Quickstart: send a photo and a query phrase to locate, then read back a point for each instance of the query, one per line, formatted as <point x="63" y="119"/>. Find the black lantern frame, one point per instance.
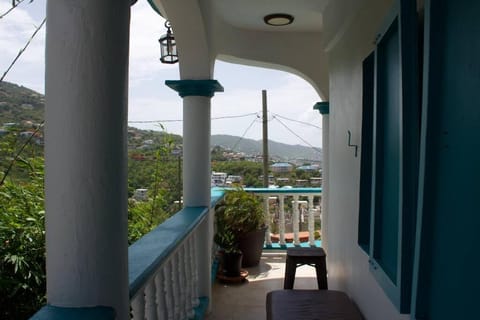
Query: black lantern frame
<point x="168" y="46"/>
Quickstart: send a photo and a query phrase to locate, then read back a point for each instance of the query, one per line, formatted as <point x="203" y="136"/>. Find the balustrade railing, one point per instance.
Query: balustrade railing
<point x="163" y="269"/>
<point x="292" y="208"/>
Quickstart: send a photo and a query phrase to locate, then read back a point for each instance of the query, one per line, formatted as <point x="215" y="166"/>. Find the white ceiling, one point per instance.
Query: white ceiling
<point x="248" y="14"/>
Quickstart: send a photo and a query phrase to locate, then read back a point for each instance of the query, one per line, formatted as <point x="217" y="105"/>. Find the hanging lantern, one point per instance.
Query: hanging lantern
<point x="168" y="46"/>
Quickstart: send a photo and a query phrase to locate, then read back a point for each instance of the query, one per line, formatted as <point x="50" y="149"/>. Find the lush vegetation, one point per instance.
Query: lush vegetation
<point x="154" y="161"/>
<point x="22" y="219"/>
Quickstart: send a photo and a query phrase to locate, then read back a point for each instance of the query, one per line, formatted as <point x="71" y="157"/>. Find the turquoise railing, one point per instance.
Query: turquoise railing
<point x="163" y="279"/>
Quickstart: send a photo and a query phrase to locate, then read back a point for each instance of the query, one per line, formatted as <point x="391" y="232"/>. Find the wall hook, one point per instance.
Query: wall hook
<point x="350" y="143"/>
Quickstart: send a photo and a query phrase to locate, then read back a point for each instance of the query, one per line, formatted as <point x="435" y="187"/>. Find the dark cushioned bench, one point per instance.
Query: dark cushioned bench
<point x="311" y="304"/>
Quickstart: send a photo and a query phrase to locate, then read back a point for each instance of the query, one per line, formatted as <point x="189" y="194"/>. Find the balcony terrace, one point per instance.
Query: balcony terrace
<point x="246" y="300"/>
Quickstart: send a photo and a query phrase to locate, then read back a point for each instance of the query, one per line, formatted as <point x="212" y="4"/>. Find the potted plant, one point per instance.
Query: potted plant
<point x="241" y="212"/>
<point x="231" y="256"/>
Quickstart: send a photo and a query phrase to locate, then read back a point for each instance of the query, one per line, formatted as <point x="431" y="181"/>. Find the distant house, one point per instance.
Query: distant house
<point x="313" y="167"/>
<point x="26" y="134"/>
<point x="140" y="194"/>
<point x="283" y="181"/>
<point x="315" y="181"/>
<point x="301" y="182"/>
<point x="281" y="167"/>
<point x="233" y="179"/>
<point x="218" y="179"/>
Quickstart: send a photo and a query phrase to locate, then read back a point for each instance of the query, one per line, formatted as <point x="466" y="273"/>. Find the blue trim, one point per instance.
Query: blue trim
<point x="323" y="107"/>
<point x="395" y="154"/>
<point x="277" y="246"/>
<point x="49" y="312"/>
<point x="154" y="7"/>
<point x="147" y="254"/>
<point x="202" y="308"/>
<point x="203" y="88"/>
<point x="365" y="198"/>
<point x="217" y="194"/>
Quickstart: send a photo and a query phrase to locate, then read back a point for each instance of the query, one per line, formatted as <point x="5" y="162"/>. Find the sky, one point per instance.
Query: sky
<point x="288" y="96"/>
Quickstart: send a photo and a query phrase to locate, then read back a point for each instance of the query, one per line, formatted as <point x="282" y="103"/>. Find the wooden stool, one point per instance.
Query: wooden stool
<point x="314" y="257"/>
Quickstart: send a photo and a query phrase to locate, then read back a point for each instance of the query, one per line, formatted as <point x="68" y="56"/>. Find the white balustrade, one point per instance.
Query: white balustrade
<point x="281" y="227"/>
<point x="302" y="211"/>
<point x="266" y="210"/>
<point x="311" y="221"/>
<point x="172" y="292"/>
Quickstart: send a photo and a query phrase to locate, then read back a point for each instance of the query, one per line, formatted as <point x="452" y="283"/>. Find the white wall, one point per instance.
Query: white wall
<point x="347" y="263"/>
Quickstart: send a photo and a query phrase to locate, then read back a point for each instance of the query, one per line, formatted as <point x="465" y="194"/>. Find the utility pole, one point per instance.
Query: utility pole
<point x="265" y="138"/>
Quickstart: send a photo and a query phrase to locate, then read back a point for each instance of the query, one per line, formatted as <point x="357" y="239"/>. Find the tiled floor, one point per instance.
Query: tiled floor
<point x="246" y="301"/>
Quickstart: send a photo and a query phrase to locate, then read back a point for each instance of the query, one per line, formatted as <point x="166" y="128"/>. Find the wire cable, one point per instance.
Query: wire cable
<point x="16" y="157"/>
<point x="23" y="49"/>
<point x="179" y="120"/>
<point x="245" y="132"/>
<point x="302" y="122"/>
<point x="293" y="132"/>
<point x="14" y="5"/>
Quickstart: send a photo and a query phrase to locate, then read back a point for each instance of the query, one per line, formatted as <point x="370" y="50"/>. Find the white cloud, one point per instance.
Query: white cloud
<point x="15" y="30"/>
<point x="149" y="98"/>
<point x="145" y="29"/>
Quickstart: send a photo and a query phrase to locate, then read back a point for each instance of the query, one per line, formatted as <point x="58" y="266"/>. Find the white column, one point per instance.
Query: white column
<point x="196" y="151"/>
<point x="196" y="180"/>
<point x="325" y="181"/>
<point x="196" y="96"/>
<point x="86" y="153"/>
<point x="324" y="109"/>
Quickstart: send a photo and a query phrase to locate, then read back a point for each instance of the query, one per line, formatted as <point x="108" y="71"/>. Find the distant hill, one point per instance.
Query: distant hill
<point x="277" y="150"/>
<point x="18" y="103"/>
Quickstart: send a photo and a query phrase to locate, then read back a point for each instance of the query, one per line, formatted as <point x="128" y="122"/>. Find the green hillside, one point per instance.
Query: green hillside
<point x="277" y="150"/>
<point x="19" y="104"/>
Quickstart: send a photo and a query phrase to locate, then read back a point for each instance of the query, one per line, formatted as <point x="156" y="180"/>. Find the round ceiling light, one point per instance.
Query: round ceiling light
<point x="278" y="19"/>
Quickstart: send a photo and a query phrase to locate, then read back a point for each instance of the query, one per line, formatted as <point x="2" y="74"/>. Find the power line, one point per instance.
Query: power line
<point x="304" y="141"/>
<point x="155" y="121"/>
<point x="238" y="116"/>
<point x="16" y="157"/>
<point x="302" y="122"/>
<point x="245" y="132"/>
<point x="23" y="49"/>
<point x="14" y="5"/>
<point x="179" y="120"/>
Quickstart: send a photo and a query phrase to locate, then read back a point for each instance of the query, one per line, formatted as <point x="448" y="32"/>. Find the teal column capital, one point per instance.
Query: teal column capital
<point x="323" y="107"/>
<point x="202" y="88"/>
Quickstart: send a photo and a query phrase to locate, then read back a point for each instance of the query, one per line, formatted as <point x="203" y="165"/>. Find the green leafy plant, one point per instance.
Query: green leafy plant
<point x="239" y="213"/>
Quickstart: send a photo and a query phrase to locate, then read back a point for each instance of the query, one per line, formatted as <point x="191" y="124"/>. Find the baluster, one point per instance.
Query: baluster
<point x="168" y="291"/>
<point x="160" y="296"/>
<point x="150" y="307"/>
<point x="281" y="222"/>
<point x="138" y="306"/>
<point x="181" y="281"/>
<point x="296" y="238"/>
<point x="311" y="221"/>
<point x="193" y="271"/>
<point x="266" y="211"/>
<point x="189" y="279"/>
<point x="175" y="286"/>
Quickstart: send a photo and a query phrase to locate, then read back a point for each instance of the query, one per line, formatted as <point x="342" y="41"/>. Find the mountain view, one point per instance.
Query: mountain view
<point x="18" y="103"/>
